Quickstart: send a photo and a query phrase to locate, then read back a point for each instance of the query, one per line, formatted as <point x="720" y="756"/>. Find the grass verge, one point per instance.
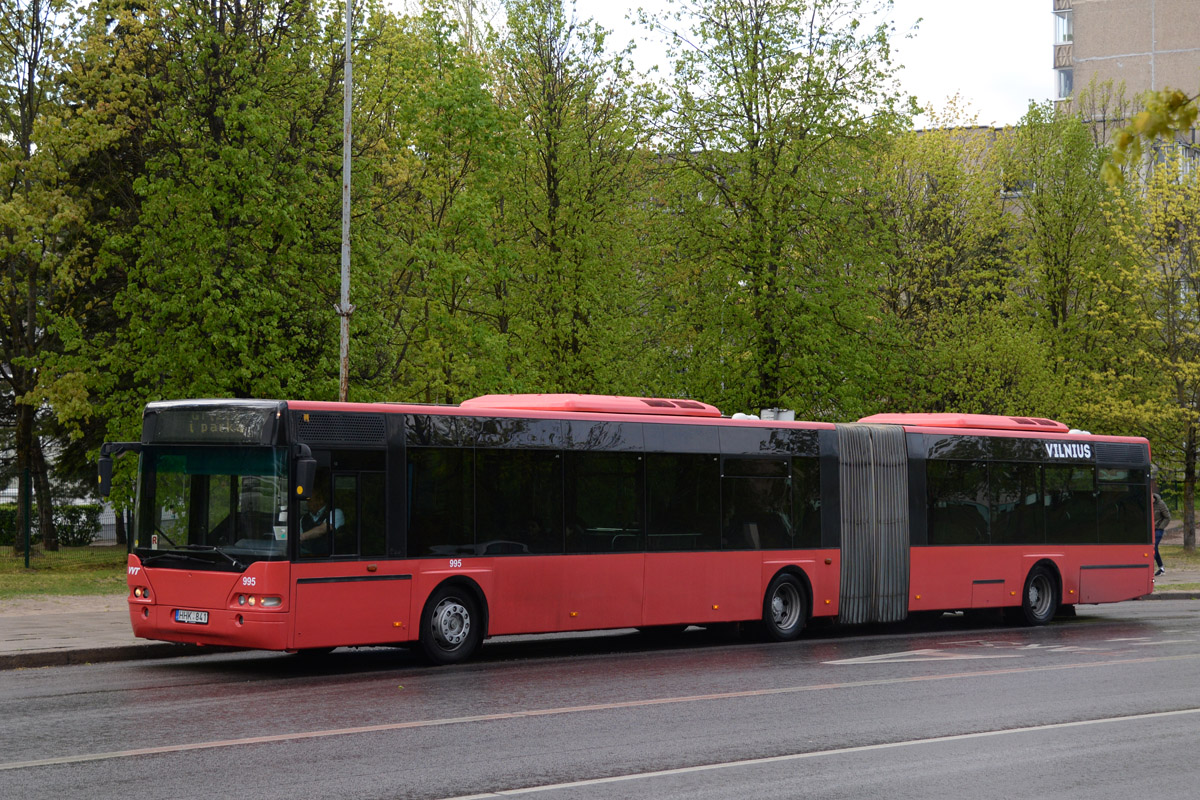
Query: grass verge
<point x="72" y="570"/>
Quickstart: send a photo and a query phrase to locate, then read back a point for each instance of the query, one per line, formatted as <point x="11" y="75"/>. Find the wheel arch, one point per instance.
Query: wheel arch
<point x="805" y="584"/>
<point x="466" y="584"/>
<point x="1052" y="567"/>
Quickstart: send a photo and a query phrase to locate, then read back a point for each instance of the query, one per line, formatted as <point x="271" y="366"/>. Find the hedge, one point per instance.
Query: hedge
<point x="77" y="525"/>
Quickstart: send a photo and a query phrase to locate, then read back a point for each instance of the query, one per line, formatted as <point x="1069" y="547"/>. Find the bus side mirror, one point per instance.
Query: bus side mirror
<point x="306" y="476"/>
<point x="104" y="469"/>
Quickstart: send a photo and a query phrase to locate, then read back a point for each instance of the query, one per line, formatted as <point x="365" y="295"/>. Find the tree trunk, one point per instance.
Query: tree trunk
<point x="45" y="498"/>
<point x="24" y="472"/>
<point x="1189" y="491"/>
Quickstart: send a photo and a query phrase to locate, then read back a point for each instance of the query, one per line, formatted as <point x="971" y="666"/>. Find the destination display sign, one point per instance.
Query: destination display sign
<point x="212" y="424"/>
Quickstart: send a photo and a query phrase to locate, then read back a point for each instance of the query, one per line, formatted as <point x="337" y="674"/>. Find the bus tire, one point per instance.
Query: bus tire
<point x="1039" y="600"/>
<point x="785" y="608"/>
<point x="451" y="625"/>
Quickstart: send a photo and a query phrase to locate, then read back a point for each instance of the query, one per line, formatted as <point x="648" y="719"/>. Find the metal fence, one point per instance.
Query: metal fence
<point x="86" y="530"/>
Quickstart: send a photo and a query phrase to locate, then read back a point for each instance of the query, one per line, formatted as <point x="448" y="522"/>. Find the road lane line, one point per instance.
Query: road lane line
<point x="544" y="712"/>
<point x="867" y="748"/>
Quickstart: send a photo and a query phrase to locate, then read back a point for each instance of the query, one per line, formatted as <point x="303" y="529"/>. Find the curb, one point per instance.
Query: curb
<point x="1172" y="594"/>
<point x="101" y="655"/>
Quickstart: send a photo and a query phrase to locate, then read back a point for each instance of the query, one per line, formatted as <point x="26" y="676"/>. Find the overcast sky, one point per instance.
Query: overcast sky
<point x="998" y="55"/>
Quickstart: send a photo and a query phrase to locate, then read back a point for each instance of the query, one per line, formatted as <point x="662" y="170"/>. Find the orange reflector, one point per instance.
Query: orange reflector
<point x="574" y="613"/>
<point x="827" y="602"/>
<point x="716" y="607"/>
<point x="397" y="624"/>
<point x="918" y="597"/>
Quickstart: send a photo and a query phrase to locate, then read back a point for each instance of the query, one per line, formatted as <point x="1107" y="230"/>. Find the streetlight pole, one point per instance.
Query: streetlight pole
<point x="344" y="309"/>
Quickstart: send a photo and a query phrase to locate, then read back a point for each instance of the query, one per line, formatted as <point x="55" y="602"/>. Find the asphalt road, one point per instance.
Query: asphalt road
<point x="1106" y="705"/>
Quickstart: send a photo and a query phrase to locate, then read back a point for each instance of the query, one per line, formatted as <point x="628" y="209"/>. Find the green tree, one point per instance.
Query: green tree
<point x="42" y="219"/>
<point x="775" y="107"/>
<point x="573" y="209"/>
<point x="431" y="152"/>
<point x="1076" y="280"/>
<point x="937" y="209"/>
<point x="1162" y="228"/>
<point x="236" y="233"/>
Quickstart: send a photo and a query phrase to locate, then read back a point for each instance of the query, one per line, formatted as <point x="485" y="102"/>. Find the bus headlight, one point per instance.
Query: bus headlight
<point x="272" y="602"/>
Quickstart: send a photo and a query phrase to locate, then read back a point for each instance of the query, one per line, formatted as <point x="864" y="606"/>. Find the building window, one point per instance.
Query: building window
<point x="1064" y="29"/>
<point x="1066" y="83"/>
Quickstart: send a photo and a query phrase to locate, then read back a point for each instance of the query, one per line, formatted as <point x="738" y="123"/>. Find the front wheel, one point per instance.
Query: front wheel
<point x="1039" y="601"/>
<point x="785" y="608"/>
<point x="451" y="625"/>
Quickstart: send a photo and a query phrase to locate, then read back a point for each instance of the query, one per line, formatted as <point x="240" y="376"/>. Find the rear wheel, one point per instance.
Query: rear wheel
<point x="785" y="608"/>
<point x="451" y="625"/>
<point x="1039" y="601"/>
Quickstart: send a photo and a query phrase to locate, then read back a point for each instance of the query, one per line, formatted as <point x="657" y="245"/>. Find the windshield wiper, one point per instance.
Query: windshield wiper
<point x="182" y="555"/>
<point x="208" y="548"/>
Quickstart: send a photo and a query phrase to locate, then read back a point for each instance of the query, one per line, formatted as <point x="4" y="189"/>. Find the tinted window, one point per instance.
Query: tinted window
<point x="440" y="502"/>
<point x="1070" y="504"/>
<point x="1017" y="516"/>
<point x="683" y="499"/>
<point x="1122" y="514"/>
<point x="753" y="439"/>
<point x="603" y="502"/>
<point x="682" y="438"/>
<point x="504" y="432"/>
<point x="957" y="494"/>
<point x="757" y="510"/>
<point x="518" y="494"/>
<point x="586" y="435"/>
<point x="806" y="494"/>
<point x="427" y="430"/>
<point x="353" y="523"/>
<point x="967" y="448"/>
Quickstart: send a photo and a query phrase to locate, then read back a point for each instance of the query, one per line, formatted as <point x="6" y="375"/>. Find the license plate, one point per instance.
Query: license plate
<point x="191" y="617"/>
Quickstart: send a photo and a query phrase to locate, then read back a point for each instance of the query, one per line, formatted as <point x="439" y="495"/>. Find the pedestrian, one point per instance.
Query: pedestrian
<point x="1162" y="518"/>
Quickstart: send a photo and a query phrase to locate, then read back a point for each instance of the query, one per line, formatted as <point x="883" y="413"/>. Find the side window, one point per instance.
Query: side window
<point x="756" y="500"/>
<point x="345" y="514"/>
<point x="519" y="495"/>
<point x="318" y="518"/>
<point x="957" y="497"/>
<point x="441" y="495"/>
<point x="603" y="502"/>
<point x="1122" y="506"/>
<point x="1017" y="516"/>
<point x="806" y="494"/>
<point x="1070" y="504"/>
<point x="683" y="502"/>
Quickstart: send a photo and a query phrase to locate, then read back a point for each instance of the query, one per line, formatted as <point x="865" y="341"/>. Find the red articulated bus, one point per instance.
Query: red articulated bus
<point x="304" y="526"/>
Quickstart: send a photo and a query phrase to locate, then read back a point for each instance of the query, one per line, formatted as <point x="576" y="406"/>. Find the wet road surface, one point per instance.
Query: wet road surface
<point x="1106" y="705"/>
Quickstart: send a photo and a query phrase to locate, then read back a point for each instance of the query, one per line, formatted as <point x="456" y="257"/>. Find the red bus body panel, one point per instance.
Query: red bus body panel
<point x="217" y="593"/>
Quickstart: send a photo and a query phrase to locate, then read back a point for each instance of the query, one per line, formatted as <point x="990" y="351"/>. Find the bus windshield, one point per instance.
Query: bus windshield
<point x="211" y="507"/>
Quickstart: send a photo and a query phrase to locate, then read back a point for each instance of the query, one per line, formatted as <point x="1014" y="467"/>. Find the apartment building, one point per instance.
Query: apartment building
<point x="1147" y="44"/>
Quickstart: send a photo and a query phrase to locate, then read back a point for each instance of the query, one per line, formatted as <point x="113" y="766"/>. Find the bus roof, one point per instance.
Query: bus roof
<point x="993" y="422"/>
<point x="594" y="403"/>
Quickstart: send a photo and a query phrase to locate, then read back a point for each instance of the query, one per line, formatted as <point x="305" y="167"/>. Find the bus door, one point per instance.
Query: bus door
<point x="346" y="592"/>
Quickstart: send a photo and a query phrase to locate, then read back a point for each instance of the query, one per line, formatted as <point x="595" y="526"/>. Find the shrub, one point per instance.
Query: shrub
<point x="76" y="526"/>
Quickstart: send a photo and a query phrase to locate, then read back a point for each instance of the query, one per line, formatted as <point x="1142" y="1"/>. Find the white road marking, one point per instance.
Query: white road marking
<point x="654" y="701"/>
<point x="637" y="776"/>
